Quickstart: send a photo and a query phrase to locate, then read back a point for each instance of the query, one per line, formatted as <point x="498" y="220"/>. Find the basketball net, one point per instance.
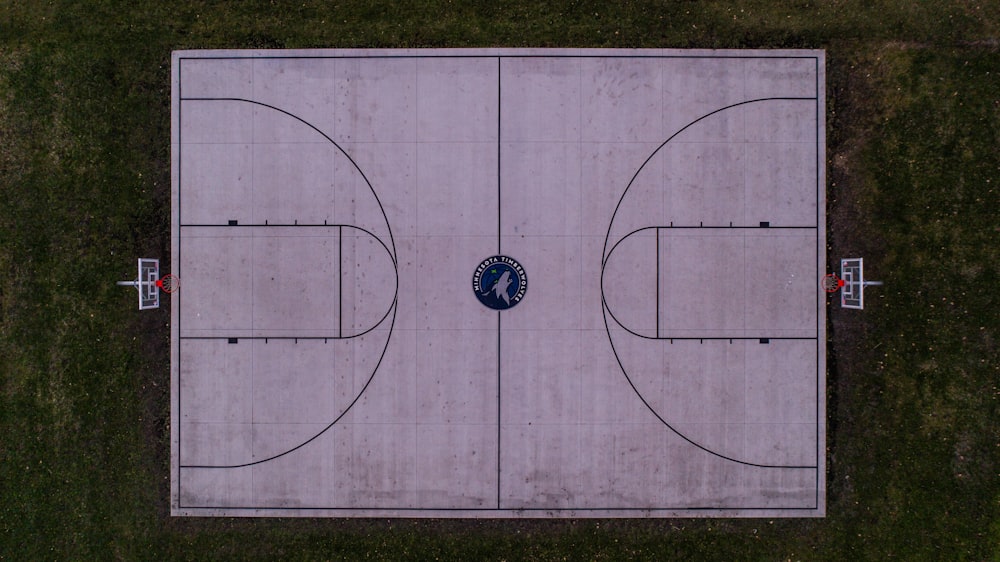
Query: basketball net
<point x="831" y="283"/>
<point x="168" y="283"/>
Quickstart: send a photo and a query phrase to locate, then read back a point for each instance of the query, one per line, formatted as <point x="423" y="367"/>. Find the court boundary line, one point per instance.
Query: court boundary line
<point x="639" y="510"/>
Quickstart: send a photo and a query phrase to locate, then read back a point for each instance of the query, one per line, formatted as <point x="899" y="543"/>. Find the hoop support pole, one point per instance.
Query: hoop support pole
<point x="136" y="284"/>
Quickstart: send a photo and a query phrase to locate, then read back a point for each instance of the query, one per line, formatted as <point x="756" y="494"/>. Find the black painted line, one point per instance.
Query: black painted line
<point x="332" y="423"/>
<point x="499" y="149"/>
<point x="736" y="227"/>
<point x="498" y="409"/>
<point x="609" y="312"/>
<point x="296" y="338"/>
<point x="820" y="309"/>
<point x="272" y="225"/>
<point x="385" y="217"/>
<point x="180" y="207"/>
<point x="664" y="421"/>
<point x="725" y="338"/>
<point x="607" y="237"/>
<point x="340" y="282"/>
<point x="340" y="226"/>
<point x="392" y="307"/>
<point x="661" y="338"/>
<point x="612" y="509"/>
<point x="638" y="510"/>
<point x="507" y="56"/>
<point x="733" y="338"/>
<point x="499" y="252"/>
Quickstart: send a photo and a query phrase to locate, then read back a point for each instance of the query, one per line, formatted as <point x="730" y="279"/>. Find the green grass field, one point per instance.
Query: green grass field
<point x="914" y="186"/>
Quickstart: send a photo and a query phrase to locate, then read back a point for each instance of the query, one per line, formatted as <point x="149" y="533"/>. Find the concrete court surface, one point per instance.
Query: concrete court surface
<point x="331" y="357"/>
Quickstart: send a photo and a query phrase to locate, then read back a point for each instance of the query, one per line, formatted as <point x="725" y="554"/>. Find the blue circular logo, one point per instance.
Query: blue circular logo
<point x="499" y="282"/>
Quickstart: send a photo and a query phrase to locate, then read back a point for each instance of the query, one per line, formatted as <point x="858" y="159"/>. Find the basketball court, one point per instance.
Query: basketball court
<point x="498" y="283"/>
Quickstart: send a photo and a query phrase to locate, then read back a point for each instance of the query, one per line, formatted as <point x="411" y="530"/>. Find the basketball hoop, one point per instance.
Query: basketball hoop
<point x="169" y="283"/>
<point x="831" y="283"/>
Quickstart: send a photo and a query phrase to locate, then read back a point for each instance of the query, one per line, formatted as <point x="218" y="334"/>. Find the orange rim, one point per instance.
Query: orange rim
<point x="168" y="283"/>
<point x="831" y="283"/>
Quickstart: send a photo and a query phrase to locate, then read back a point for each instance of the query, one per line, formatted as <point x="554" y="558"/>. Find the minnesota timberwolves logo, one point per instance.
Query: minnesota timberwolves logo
<point x="499" y="282"/>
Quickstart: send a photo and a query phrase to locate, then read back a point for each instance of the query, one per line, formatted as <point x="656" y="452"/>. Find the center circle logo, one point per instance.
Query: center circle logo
<point x="499" y="282"/>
